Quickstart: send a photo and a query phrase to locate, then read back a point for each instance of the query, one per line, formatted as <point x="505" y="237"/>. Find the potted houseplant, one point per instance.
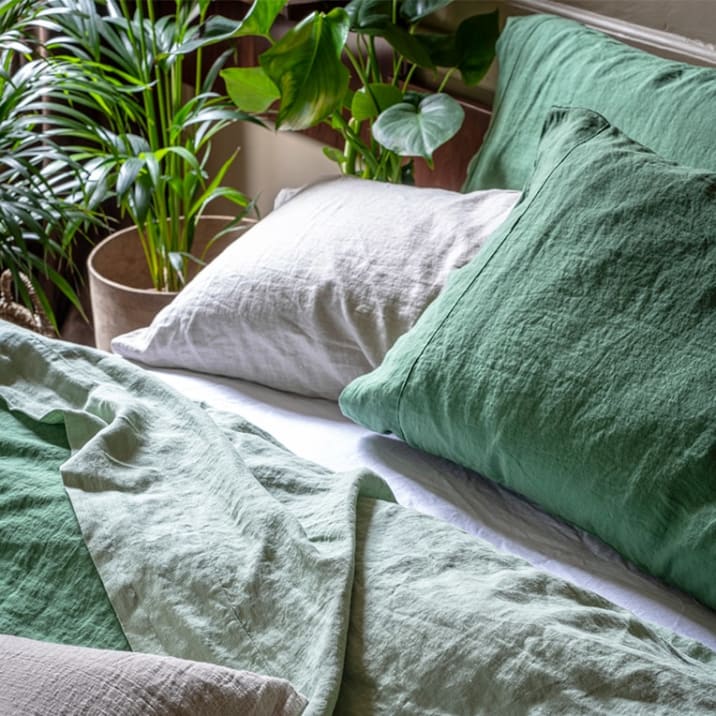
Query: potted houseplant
<point x="144" y="138"/>
<point x="41" y="209"/>
<point x="383" y="123"/>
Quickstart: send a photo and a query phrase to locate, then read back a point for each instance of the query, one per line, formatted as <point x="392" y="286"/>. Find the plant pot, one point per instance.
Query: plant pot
<point x="120" y="286"/>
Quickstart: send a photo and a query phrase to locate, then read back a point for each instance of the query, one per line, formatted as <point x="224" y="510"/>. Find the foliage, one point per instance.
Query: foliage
<point x="141" y="136"/>
<point x="305" y="70"/>
<point x="41" y="210"/>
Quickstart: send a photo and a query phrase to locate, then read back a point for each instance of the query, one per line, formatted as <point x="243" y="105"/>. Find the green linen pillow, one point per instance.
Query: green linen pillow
<point x="545" y="61"/>
<point x="574" y="360"/>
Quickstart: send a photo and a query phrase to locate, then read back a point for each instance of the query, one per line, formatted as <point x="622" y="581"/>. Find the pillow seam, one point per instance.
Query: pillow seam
<point x="489" y="258"/>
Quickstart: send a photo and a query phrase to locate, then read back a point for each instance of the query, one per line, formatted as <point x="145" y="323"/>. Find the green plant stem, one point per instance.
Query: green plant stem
<point x="356" y="66"/>
<point x="397" y="165"/>
<point x="409" y="77"/>
<point x="377" y="77"/>
<point x="199" y="54"/>
<point x="445" y="79"/>
<point x="358" y="146"/>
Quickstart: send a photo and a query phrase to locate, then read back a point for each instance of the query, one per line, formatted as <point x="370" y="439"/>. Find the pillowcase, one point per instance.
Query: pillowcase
<point x="315" y="294"/>
<point x="574" y="359"/>
<point x="545" y="61"/>
<point x="41" y="678"/>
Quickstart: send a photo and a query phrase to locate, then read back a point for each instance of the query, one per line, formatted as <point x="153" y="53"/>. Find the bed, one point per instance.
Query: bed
<point x="278" y="500"/>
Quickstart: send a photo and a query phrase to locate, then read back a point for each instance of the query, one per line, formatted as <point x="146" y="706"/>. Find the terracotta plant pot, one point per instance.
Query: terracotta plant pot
<point x="120" y="285"/>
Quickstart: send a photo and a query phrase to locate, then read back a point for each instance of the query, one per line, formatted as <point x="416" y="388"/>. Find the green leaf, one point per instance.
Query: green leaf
<point x="335" y="155"/>
<point x="418" y="131"/>
<point x="250" y="88"/>
<point x="374" y="17"/>
<point x="176" y="259"/>
<point x="215" y="29"/>
<point x="471" y="48"/>
<point x="260" y="17"/>
<point x="442" y="48"/>
<point x="306" y="67"/>
<point x="476" y="39"/>
<point x="369" y="16"/>
<point x="152" y="165"/>
<point x="410" y="46"/>
<point x="128" y="173"/>
<point x="414" y="10"/>
<point x="185" y="154"/>
<point x="371" y="100"/>
<point x="207" y="83"/>
<point x="142" y="199"/>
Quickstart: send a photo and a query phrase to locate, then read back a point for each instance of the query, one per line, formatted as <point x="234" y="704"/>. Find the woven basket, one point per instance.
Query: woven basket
<point x="35" y="319"/>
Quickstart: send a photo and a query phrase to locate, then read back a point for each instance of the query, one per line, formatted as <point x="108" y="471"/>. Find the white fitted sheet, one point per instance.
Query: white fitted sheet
<point x="316" y="430"/>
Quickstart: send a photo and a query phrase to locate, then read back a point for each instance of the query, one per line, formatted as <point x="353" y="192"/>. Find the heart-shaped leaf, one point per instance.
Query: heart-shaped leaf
<point x="412" y="131"/>
<point x="374" y="98"/>
<point x="250" y="88"/>
<point x="305" y="65"/>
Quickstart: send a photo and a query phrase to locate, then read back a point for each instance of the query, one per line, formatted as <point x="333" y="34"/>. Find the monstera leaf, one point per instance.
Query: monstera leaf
<point x="418" y="127"/>
<point x="305" y="65"/>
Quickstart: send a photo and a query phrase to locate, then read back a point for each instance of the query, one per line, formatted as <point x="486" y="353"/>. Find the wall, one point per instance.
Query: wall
<point x="269" y="161"/>
<point x="695" y="19"/>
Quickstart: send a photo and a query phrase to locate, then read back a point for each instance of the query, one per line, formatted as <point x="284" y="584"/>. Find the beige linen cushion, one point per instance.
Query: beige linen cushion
<point x="38" y="678"/>
<point x="317" y="292"/>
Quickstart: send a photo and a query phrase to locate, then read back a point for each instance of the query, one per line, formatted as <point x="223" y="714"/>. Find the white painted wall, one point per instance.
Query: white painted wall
<point x="269" y="161"/>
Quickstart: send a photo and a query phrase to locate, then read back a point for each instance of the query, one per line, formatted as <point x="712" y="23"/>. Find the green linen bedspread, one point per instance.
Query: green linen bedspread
<point x="215" y="543"/>
<point x="49" y="587"/>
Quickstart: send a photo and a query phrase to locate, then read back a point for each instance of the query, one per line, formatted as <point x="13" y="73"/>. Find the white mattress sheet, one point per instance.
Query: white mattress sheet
<point x="315" y="429"/>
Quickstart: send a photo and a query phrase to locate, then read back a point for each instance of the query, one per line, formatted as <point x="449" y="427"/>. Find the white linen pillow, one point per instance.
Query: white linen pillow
<point x="316" y="293"/>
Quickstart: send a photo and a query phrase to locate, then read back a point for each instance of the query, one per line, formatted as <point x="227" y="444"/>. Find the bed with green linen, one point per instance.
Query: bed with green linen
<point x="569" y="369"/>
<point x="133" y="518"/>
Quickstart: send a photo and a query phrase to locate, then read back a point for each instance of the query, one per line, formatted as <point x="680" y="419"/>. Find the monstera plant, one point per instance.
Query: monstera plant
<point x="383" y="121"/>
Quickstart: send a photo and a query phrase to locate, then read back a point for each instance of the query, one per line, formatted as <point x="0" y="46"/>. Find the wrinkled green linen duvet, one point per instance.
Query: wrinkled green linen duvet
<point x="214" y="543"/>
